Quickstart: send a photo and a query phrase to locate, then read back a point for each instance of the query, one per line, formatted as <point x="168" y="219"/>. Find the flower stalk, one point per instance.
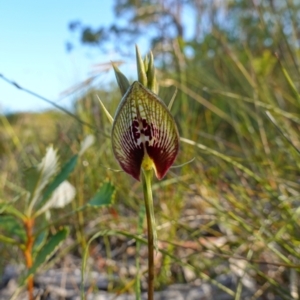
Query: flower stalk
<point x="144" y="138"/>
<point x="28" y="224"/>
<point x="151" y="229"/>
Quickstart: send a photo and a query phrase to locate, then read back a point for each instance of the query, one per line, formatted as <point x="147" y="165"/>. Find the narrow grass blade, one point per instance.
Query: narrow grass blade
<point x="108" y="115"/>
<point x="222" y="156"/>
<point x="272" y="119"/>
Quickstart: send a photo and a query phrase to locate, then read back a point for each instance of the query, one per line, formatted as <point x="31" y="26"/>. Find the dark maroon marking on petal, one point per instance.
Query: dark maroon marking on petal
<point x="135" y="130"/>
<point x="162" y="157"/>
<point x="162" y="161"/>
<point x="133" y="163"/>
<point x="134" y="152"/>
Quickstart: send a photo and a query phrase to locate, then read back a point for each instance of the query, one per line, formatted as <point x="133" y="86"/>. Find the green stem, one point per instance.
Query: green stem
<point x="138" y="249"/>
<point x="151" y="229"/>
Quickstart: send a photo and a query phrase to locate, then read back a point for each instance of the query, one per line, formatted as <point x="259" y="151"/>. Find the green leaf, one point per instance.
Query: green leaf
<point x="104" y="196"/>
<point x="7" y="240"/>
<point x="61" y="197"/>
<point x="31" y="178"/>
<point x="42" y="175"/>
<point x="48" y="250"/>
<point x="5" y="207"/>
<point x="40" y="240"/>
<point x="59" y="178"/>
<point x="12" y="228"/>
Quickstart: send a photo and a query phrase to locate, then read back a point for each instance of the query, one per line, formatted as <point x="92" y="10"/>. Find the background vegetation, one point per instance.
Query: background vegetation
<point x="237" y="71"/>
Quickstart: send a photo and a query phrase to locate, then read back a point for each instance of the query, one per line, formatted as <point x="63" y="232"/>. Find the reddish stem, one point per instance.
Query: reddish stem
<point x="29" y="223"/>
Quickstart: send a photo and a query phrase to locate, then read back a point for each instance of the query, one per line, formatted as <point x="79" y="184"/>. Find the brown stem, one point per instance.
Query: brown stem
<point x="29" y="223"/>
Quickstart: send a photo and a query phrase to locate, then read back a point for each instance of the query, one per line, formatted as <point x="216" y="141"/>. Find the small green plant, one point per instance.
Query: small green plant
<point x="144" y="137"/>
<point x="25" y="221"/>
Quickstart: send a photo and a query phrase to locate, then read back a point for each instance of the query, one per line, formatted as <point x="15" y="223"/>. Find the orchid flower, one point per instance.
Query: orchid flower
<point x="144" y="133"/>
<point x="144" y="136"/>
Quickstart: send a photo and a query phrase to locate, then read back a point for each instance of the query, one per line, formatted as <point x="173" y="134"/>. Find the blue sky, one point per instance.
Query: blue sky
<point x="33" y="50"/>
<point x="33" y="53"/>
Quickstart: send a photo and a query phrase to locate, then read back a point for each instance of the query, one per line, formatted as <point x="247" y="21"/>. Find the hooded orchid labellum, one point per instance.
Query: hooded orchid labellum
<point x="144" y="133"/>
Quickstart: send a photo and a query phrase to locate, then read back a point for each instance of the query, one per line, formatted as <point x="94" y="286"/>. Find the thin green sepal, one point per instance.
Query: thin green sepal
<point x="152" y="83"/>
<point x="123" y="82"/>
<point x="142" y="77"/>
